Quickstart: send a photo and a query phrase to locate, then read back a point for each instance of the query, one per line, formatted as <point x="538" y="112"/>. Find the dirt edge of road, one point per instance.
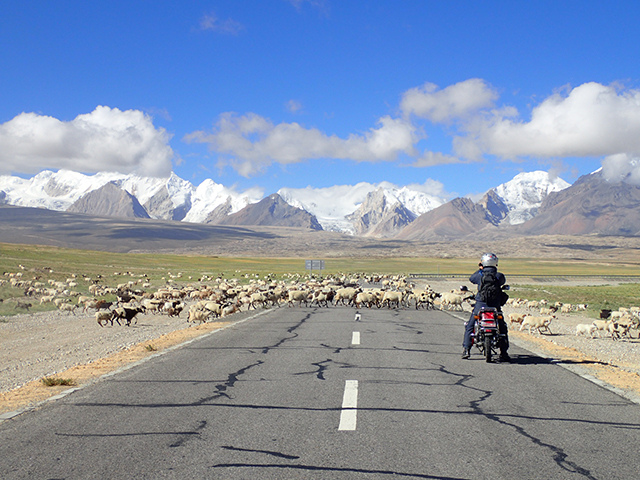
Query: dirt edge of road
<point x="35" y="393"/>
<point x="613" y="375"/>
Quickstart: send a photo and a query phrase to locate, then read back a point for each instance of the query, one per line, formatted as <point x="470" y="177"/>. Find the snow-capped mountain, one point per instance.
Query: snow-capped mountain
<point x="59" y="190"/>
<point x="334" y="206"/>
<point x="524" y="194"/>
<point x="161" y="197"/>
<point x="381" y="209"/>
<point x="209" y="195"/>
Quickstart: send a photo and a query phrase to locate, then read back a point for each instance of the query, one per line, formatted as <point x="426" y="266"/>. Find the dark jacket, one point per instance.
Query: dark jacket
<point x="476" y="279"/>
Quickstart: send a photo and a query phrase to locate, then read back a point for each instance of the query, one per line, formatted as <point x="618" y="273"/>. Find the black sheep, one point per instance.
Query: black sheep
<point x="126" y="314"/>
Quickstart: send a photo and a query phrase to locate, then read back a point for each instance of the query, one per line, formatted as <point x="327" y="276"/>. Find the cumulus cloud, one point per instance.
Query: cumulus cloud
<point x="430" y="187"/>
<point x="229" y="26"/>
<point x="621" y="167"/>
<point x="294" y="106"/>
<point x="451" y="103"/>
<point x="106" y="139"/>
<point x="591" y="120"/>
<point x="253" y="142"/>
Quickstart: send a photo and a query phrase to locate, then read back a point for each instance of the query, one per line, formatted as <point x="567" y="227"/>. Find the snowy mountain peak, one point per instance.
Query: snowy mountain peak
<point x="524" y="194"/>
<point x="333" y="205"/>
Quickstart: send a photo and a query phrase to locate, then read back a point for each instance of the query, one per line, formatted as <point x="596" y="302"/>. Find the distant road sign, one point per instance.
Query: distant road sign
<point x="314" y="264"/>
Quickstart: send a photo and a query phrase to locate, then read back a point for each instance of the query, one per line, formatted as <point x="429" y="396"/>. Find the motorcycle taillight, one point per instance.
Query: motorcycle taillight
<point x="488" y="315"/>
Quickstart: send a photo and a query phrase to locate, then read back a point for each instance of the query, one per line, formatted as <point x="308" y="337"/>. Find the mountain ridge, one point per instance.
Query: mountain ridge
<point x="381" y="210"/>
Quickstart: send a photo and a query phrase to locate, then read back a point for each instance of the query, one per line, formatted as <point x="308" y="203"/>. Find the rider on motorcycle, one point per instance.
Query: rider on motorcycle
<point x="488" y="263"/>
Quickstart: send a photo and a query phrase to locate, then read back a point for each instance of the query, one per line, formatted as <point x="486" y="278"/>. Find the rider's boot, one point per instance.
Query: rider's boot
<point x="466" y="353"/>
<point x="504" y="357"/>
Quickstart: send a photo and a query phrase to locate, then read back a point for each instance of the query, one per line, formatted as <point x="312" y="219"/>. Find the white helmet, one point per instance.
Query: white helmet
<point x="489" y="260"/>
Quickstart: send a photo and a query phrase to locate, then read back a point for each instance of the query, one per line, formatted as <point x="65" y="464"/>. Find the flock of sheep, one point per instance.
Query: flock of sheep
<point x="616" y="324"/>
<point x="217" y="297"/>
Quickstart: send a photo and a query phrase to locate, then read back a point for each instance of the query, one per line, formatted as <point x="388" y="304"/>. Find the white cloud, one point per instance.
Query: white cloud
<point x="254" y="142"/>
<point x="229" y="26"/>
<point x="104" y="140"/>
<point x="321" y="5"/>
<point x="591" y="120"/>
<point x="430" y="159"/>
<point x="430" y="187"/>
<point x="294" y="106"/>
<point x="621" y="167"/>
<point x="453" y="102"/>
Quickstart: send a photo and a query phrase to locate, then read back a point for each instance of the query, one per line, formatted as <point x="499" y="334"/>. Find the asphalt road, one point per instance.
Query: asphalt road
<point x="302" y="393"/>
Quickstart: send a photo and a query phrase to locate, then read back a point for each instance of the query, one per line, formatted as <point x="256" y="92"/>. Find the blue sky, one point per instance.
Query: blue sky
<point x="453" y="95"/>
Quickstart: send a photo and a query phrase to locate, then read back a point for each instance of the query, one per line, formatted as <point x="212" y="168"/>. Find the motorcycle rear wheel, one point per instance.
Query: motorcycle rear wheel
<point x="487" y="348"/>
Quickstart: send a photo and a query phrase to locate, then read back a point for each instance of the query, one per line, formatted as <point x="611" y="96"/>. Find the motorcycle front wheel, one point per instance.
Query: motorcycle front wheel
<point x="487" y="348"/>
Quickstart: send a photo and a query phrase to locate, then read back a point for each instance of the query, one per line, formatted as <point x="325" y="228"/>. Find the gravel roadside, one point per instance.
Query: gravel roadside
<point x="36" y="345"/>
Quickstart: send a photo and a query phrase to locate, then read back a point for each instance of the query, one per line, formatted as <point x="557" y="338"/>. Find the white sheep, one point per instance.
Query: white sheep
<point x="298" y="296"/>
<point x="584" y="329"/>
<point x="259" y="298"/>
<point x="346" y="293"/>
<point x="47" y="298"/>
<point x="533" y="304"/>
<point x="367" y="297"/>
<point x="211" y="307"/>
<point x="68" y="307"/>
<point x="59" y="301"/>
<point x="566" y="308"/>
<point x="198" y="315"/>
<point x="537" y="323"/>
<point x="451" y="301"/>
<point x="601" y="325"/>
<point x="392" y="297"/>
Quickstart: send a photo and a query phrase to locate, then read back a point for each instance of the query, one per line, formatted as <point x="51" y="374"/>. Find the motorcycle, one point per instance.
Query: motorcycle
<point x="486" y="334"/>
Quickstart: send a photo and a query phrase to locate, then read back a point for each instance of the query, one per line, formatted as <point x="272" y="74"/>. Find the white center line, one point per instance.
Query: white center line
<point x="355" y="338"/>
<point x="349" y="406"/>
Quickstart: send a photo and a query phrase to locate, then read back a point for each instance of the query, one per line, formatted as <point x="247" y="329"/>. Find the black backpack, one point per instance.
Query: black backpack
<point x="490" y="291"/>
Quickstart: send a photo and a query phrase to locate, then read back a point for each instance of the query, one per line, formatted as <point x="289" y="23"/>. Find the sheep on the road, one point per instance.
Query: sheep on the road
<point x="452" y="301"/>
<point x="537" y="323"/>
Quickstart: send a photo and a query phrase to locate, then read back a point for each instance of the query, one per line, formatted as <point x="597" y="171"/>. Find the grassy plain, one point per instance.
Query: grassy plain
<point x="60" y="264"/>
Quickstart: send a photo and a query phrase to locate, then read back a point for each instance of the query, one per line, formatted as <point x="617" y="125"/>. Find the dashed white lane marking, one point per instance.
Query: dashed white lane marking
<point x="349" y="413"/>
<point x="355" y="338"/>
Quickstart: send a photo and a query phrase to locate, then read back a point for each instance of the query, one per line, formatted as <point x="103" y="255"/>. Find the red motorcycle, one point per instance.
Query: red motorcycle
<point x="486" y="333"/>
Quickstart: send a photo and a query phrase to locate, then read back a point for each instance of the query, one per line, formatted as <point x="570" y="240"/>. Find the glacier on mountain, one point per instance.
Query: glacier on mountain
<point x="524" y="194"/>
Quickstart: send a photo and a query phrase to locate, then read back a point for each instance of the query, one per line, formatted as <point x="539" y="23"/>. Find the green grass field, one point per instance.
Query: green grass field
<point x="59" y="264"/>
